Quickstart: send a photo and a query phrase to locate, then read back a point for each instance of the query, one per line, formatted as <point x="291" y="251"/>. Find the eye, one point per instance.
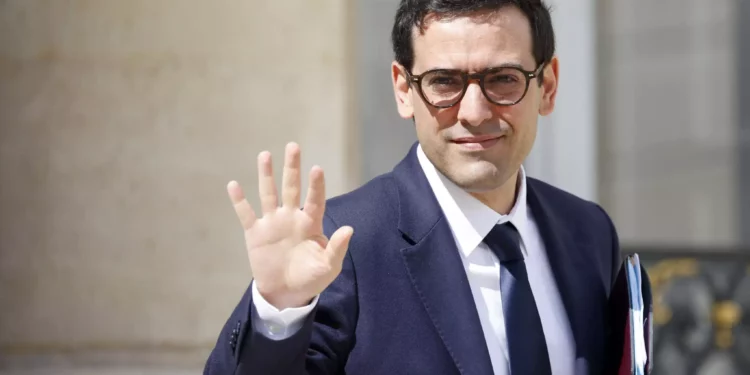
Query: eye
<point x="444" y="80"/>
<point x="502" y="78"/>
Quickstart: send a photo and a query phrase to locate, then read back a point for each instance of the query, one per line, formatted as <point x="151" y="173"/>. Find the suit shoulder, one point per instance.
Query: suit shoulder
<point x="583" y="217"/>
<point x="589" y="223"/>
<point x="572" y="204"/>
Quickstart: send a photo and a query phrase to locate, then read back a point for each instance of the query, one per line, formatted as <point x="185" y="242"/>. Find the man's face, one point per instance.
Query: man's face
<point x="477" y="144"/>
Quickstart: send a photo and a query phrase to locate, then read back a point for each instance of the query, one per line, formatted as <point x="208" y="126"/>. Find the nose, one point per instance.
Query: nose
<point x="474" y="108"/>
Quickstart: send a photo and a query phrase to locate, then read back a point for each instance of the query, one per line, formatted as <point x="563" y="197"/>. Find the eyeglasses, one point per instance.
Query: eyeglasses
<point x="444" y="88"/>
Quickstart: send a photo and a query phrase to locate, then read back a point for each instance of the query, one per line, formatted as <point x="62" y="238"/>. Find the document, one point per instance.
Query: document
<point x="631" y="314"/>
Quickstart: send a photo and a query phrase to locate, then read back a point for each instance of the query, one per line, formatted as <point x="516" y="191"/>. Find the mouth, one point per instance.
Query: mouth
<point x="477" y="143"/>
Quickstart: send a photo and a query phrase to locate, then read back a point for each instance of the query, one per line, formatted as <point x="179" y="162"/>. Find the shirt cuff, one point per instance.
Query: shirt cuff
<point x="275" y="324"/>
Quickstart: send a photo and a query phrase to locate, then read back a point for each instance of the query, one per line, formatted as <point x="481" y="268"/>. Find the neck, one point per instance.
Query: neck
<point x="502" y="199"/>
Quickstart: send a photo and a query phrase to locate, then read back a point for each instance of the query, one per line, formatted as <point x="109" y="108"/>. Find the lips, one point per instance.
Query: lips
<point x="477" y="143"/>
<point x="477" y="139"/>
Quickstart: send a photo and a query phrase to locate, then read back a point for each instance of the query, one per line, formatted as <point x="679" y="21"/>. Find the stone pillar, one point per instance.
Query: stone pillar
<point x="565" y="153"/>
<point x="385" y="137"/>
<point x="122" y="122"/>
<point x="743" y="86"/>
<point x="669" y="122"/>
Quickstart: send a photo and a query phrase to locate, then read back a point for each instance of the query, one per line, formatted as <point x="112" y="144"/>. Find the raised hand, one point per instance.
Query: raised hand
<point x="291" y="259"/>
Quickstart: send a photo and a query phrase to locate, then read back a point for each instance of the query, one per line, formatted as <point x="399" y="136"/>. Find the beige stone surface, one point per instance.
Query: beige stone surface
<point x="120" y="124"/>
<point x="669" y="123"/>
<point x="99" y="371"/>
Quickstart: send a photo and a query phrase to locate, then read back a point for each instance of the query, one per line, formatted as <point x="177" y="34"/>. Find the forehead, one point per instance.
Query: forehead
<point x="474" y="41"/>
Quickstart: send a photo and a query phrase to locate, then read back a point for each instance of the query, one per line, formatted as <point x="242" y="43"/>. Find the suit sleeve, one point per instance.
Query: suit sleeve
<point x="319" y="347"/>
<point x="616" y="254"/>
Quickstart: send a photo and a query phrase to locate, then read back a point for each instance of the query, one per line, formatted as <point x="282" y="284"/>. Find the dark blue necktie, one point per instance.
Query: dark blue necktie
<point x="523" y="327"/>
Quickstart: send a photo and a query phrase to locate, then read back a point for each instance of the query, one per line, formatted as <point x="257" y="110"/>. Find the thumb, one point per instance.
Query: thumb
<point x="339" y="243"/>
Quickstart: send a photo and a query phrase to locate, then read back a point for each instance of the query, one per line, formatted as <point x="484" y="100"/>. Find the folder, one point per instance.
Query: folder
<point x="631" y="321"/>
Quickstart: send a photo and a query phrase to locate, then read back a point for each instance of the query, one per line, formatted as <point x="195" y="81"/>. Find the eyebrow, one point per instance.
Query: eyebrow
<point x="503" y="65"/>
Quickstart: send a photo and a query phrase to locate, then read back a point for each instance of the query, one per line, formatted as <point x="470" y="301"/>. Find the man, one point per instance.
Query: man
<point x="455" y="262"/>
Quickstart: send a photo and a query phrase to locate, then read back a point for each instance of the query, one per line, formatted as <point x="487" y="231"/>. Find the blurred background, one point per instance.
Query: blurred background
<point x="122" y="121"/>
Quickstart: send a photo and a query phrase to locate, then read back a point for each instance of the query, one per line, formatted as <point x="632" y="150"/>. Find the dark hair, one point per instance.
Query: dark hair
<point x="412" y="13"/>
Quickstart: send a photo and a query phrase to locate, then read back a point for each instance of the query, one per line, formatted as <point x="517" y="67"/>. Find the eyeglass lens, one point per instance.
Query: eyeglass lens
<point x="502" y="86"/>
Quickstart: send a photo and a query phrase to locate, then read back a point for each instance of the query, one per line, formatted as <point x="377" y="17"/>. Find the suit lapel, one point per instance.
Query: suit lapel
<point x="436" y="270"/>
<point x="438" y="277"/>
<point x="574" y="276"/>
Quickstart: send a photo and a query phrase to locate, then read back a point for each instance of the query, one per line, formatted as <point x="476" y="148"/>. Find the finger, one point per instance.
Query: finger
<point x="339" y="244"/>
<point x="315" y="203"/>
<point x="290" y="186"/>
<point x="241" y="206"/>
<point x="266" y="185"/>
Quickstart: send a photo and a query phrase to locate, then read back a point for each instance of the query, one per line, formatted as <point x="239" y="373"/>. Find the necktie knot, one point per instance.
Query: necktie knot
<point x="505" y="241"/>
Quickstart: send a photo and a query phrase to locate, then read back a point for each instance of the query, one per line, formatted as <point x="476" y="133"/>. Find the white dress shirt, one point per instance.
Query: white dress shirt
<point x="470" y="221"/>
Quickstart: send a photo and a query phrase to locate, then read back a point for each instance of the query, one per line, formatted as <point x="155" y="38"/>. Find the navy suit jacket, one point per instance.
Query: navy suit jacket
<point x="402" y="303"/>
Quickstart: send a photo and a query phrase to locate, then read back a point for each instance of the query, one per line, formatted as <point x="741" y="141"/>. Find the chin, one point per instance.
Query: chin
<point x="477" y="178"/>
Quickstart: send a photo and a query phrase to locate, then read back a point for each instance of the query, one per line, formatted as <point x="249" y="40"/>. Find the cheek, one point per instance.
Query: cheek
<point x="518" y="117"/>
<point x="434" y="120"/>
<point x="522" y="121"/>
<point x="445" y="118"/>
<point x="524" y="135"/>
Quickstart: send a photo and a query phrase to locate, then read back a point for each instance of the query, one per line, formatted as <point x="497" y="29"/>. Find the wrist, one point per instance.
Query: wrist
<point x="282" y="301"/>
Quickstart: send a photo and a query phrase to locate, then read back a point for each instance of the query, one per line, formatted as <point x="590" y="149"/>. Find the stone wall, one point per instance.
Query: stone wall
<point x="668" y="130"/>
<point x="121" y="123"/>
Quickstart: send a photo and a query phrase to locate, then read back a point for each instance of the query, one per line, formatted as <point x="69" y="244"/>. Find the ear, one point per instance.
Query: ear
<point x="401" y="89"/>
<point x="549" y="87"/>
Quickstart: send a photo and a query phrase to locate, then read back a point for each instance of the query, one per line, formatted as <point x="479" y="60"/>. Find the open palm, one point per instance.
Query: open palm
<point x="291" y="259"/>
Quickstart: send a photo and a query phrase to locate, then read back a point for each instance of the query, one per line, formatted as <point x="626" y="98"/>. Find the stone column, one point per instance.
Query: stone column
<point x="743" y="86"/>
<point x="669" y="122"/>
<point x="385" y="137"/>
<point x="566" y="150"/>
<point x="122" y="122"/>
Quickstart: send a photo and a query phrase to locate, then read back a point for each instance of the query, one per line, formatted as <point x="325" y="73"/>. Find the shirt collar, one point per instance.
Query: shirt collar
<point x="470" y="219"/>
